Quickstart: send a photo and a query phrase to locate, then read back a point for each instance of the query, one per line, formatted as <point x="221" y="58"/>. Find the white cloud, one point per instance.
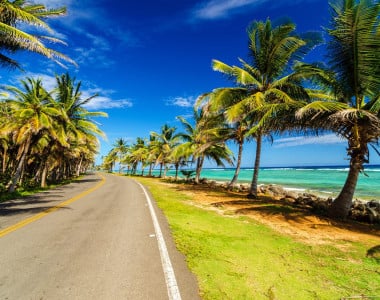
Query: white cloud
<point x="181" y="101"/>
<point x="215" y="9"/>
<point x="101" y="102"/>
<point x="48" y="81"/>
<point x="55" y="3"/>
<point x="308" y="140"/>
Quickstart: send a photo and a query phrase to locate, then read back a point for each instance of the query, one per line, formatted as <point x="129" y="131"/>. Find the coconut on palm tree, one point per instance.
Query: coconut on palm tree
<point x="353" y="80"/>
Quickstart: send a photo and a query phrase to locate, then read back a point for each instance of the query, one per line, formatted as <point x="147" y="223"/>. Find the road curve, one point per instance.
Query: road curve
<point x="92" y="239"/>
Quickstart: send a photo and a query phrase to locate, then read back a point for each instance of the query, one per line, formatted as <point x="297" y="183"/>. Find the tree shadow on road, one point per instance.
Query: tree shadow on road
<point x="16" y="211"/>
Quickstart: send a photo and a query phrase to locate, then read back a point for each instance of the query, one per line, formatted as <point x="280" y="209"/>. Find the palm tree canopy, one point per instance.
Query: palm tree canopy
<point x="12" y="39"/>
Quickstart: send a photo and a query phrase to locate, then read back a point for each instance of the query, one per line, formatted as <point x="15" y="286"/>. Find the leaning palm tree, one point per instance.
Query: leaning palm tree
<point x="204" y="140"/>
<point x="12" y="38"/>
<point x="216" y="102"/>
<point x="75" y="119"/>
<point x="33" y="112"/>
<point x="265" y="86"/>
<point x="353" y="80"/>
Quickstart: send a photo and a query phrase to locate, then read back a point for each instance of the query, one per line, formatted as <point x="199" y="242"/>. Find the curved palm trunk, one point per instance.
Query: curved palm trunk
<point x="150" y="169"/>
<point x="253" y="190"/>
<point x="238" y="164"/>
<point x="16" y="177"/>
<point x="176" y="171"/>
<point x="342" y="204"/>
<point x="198" y="169"/>
<point x="160" y="170"/>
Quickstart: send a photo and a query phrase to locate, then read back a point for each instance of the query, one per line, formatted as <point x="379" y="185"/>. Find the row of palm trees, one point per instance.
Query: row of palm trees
<point x="168" y="148"/>
<point x="276" y="92"/>
<point x="45" y="135"/>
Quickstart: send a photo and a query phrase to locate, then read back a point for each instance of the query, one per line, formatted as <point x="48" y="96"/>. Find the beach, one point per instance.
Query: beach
<point x="326" y="181"/>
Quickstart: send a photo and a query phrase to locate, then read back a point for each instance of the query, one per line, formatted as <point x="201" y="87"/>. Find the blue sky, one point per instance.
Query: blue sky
<point x="149" y="60"/>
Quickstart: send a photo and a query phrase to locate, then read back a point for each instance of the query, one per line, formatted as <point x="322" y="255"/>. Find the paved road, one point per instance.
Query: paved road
<point x="99" y="245"/>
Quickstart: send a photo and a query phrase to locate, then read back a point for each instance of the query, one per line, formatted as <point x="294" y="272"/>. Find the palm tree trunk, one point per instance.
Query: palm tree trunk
<point x="4" y="166"/>
<point x="165" y="170"/>
<point x="79" y="166"/>
<point x="237" y="170"/>
<point x="342" y="204"/>
<point x="16" y="177"/>
<point x="176" y="171"/>
<point x="44" y="175"/>
<point x="253" y="190"/>
<point x="198" y="169"/>
<point x="150" y="169"/>
<point x="160" y="170"/>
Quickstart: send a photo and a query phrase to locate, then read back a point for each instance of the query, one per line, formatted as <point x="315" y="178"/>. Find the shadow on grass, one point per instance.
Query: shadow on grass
<point x="268" y="206"/>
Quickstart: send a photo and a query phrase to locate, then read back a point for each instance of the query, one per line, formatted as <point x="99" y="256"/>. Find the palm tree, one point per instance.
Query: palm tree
<point x="163" y="146"/>
<point x="353" y="79"/>
<point x="204" y="140"/>
<point x="264" y="87"/>
<point x="237" y="129"/>
<point x="139" y="154"/>
<point x="12" y="38"/>
<point x="121" y="148"/>
<point x="33" y="111"/>
<point x="75" y="120"/>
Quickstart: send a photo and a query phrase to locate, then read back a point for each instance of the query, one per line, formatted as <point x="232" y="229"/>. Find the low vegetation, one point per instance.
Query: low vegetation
<point x="235" y="256"/>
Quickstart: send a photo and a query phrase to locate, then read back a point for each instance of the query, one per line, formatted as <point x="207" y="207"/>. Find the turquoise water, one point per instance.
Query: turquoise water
<point x="326" y="180"/>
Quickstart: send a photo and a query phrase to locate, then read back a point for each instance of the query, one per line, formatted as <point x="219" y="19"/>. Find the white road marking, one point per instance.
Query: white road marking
<point x="171" y="282"/>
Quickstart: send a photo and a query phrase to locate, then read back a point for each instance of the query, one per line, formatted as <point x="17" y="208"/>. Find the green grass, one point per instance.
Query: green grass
<point x="24" y="192"/>
<point x="238" y="258"/>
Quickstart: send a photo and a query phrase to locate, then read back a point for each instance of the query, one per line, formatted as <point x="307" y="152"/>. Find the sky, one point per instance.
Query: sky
<point x="150" y="60"/>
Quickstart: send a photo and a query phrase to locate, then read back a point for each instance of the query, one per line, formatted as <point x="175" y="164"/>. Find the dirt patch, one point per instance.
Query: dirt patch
<point x="301" y="223"/>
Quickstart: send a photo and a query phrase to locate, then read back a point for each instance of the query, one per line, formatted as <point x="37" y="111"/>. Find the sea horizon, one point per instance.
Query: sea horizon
<point x="324" y="180"/>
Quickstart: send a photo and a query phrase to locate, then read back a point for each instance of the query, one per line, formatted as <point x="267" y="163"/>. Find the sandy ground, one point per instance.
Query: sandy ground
<point x="298" y="222"/>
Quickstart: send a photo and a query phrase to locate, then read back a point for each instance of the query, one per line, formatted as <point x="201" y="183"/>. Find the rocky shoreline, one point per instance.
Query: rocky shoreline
<point x="362" y="211"/>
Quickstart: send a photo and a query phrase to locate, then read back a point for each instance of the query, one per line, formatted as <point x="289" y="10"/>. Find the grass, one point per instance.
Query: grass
<point x="23" y="192"/>
<point x="238" y="258"/>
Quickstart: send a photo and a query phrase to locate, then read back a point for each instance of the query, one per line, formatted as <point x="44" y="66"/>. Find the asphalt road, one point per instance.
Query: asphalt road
<point x="92" y="239"/>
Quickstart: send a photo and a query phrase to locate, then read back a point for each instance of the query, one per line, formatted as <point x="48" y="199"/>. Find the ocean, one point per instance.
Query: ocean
<point x="327" y="181"/>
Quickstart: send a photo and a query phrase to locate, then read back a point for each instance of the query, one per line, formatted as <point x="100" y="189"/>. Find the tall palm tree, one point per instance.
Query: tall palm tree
<point x="265" y="86"/>
<point x="12" y="38"/>
<point x="33" y="112"/>
<point x="353" y="80"/>
<point x="75" y="120"/>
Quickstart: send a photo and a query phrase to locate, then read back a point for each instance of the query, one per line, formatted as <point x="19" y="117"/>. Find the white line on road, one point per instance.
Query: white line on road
<point x="171" y="282"/>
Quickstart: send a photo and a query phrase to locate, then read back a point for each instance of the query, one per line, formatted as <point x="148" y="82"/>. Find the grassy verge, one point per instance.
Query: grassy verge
<point x="23" y="192"/>
<point x="238" y="258"/>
